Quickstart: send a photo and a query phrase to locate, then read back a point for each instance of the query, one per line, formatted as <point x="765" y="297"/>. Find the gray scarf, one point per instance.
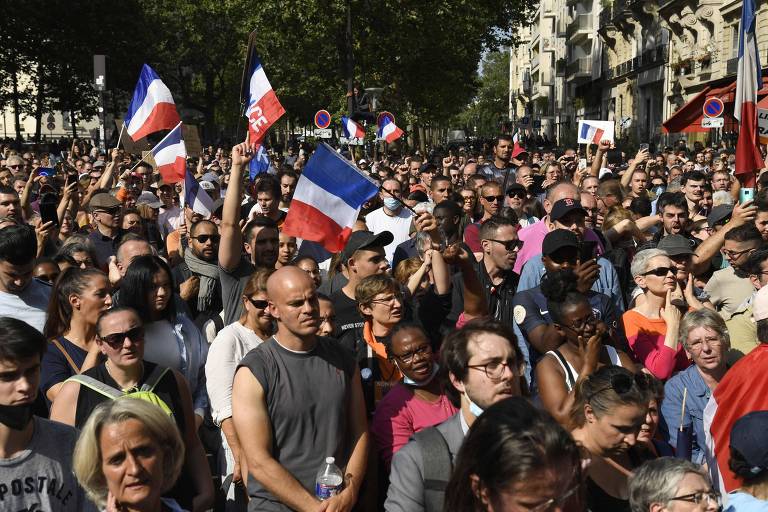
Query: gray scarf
<point x="208" y="273"/>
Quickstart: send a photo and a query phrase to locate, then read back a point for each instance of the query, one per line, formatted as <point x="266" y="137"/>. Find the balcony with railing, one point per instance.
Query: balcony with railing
<point x="580" y="26"/>
<point x="649" y="58"/>
<point x="579" y="68"/>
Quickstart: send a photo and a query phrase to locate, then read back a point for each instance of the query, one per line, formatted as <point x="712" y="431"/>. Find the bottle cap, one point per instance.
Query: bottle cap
<point x="330" y="460"/>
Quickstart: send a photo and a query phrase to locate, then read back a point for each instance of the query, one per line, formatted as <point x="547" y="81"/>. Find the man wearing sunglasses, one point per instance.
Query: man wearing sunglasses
<point x="105" y="211"/>
<point x="569" y="214"/>
<point x="492" y="201"/>
<point x="198" y="274"/>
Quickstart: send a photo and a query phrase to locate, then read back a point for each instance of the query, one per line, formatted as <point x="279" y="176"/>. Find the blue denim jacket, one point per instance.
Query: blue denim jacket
<point x="695" y="402"/>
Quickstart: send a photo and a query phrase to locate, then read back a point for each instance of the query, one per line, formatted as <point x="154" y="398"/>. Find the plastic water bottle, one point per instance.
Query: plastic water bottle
<point x="329" y="480"/>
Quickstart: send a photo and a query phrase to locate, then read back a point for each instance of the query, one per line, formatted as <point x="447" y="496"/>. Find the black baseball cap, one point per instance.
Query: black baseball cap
<point x="719" y="214"/>
<point x="516" y="187"/>
<point x="428" y="167"/>
<point x="365" y="239"/>
<point x="675" y="245"/>
<point x="749" y="437"/>
<point x="565" y="206"/>
<point x="557" y="239"/>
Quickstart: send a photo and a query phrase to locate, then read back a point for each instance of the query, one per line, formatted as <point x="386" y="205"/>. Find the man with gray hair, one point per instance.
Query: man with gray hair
<point x="671" y="484"/>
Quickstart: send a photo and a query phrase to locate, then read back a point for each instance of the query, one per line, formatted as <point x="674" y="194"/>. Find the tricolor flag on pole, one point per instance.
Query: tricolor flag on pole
<point x="749" y="80"/>
<point x="351" y="129"/>
<point x="263" y="106"/>
<point x="389" y="131"/>
<point x="152" y="108"/>
<point x="195" y="197"/>
<point x="327" y="200"/>
<point x="170" y="155"/>
<point x="592" y="132"/>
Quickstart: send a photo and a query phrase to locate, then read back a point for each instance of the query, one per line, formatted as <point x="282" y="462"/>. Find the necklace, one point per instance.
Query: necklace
<point x="128" y="389"/>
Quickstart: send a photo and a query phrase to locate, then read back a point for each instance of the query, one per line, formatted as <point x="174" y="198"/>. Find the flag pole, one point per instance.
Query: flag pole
<point x="120" y="138"/>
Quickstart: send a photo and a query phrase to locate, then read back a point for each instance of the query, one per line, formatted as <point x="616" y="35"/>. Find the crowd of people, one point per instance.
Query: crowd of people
<point x="505" y="330"/>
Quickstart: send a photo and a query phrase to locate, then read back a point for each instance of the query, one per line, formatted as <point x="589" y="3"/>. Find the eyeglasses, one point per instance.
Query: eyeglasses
<point x="622" y="383"/>
<point x="387" y="301"/>
<point x="711" y="497"/>
<point x="509" y="245"/>
<point x="494" y="199"/>
<point x="468" y="199"/>
<point x="423" y="350"/>
<point x="13" y="166"/>
<point x="495" y="369"/>
<point x="519" y="194"/>
<point x="259" y="304"/>
<point x="547" y="505"/>
<point x="736" y="254"/>
<point x="117" y="339"/>
<point x="660" y="271"/>
<point x="203" y="239"/>
<point x="696" y="345"/>
<point x="580" y="326"/>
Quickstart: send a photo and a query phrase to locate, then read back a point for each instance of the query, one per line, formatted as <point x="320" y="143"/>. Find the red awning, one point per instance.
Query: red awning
<point x="687" y="119"/>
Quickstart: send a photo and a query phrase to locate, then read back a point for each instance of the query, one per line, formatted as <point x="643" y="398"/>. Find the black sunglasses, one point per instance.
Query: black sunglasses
<point x="117" y="339"/>
<point x="519" y="194"/>
<point x="621" y="384"/>
<point x="204" y="238"/>
<point x="259" y="304"/>
<point x="492" y="199"/>
<point x="660" y="271"/>
<point x="509" y="245"/>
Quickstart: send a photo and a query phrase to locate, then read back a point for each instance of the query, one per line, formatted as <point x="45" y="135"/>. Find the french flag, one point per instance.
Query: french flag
<point x="195" y="197"/>
<point x="152" y="108"/>
<point x="170" y="155"/>
<point x="327" y="200"/>
<point x="389" y="131"/>
<point x="749" y="80"/>
<point x="263" y="106"/>
<point x="591" y="133"/>
<point x="352" y="130"/>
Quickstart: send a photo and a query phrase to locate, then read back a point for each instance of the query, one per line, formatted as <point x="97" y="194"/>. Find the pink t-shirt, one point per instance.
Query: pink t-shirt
<point x="533" y="237"/>
<point x="400" y="414"/>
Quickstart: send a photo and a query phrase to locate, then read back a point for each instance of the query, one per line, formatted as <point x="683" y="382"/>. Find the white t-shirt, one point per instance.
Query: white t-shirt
<point x="399" y="225"/>
<point x="29" y="306"/>
<point x="161" y="346"/>
<point x="169" y="219"/>
<point x="227" y="350"/>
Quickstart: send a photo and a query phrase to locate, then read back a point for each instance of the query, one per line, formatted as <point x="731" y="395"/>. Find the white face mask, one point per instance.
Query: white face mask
<point x="475" y="409"/>
<point x="411" y="382"/>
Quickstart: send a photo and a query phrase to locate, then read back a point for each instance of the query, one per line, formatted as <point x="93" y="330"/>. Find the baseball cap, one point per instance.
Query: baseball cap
<point x="99" y="164"/>
<point x="207" y="185"/>
<point x="749" y="437"/>
<point x="675" y="245"/>
<point x="519" y="151"/>
<point x="565" y="206"/>
<point x="428" y="167"/>
<point x="719" y="214"/>
<point x="557" y="239"/>
<point x="605" y="173"/>
<point x="365" y="239"/>
<point x="149" y="199"/>
<point x="362" y="161"/>
<point x="103" y="200"/>
<point x="760" y="305"/>
<point x="210" y="176"/>
<point x="516" y="187"/>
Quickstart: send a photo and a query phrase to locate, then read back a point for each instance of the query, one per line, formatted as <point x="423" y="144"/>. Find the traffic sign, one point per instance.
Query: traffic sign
<point x="324" y="133"/>
<point x="713" y="107"/>
<point x="322" y="119"/>
<point x="51" y="125"/>
<point x="712" y="122"/>
<point x="50" y="118"/>
<point x="525" y="120"/>
<point x="384" y="115"/>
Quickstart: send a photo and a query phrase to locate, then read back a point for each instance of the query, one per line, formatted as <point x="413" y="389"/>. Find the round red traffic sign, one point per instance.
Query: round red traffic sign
<point x="322" y="119"/>
<point x="713" y="107"/>
<point x="384" y="115"/>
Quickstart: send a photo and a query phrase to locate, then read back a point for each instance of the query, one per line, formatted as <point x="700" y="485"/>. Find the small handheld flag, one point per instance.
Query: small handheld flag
<point x="389" y="131"/>
<point x="152" y="108"/>
<point x="351" y="129"/>
<point x="170" y="155"/>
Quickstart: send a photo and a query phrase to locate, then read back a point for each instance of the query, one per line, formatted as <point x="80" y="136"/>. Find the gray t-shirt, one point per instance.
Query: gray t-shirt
<point x="232" y="286"/>
<point x="308" y="397"/>
<point x="30" y="305"/>
<point x="40" y="478"/>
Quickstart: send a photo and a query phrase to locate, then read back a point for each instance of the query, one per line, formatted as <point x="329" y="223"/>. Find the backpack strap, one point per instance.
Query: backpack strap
<point x="154" y="378"/>
<point x="66" y="355"/>
<point x="96" y="385"/>
<point x="436" y="459"/>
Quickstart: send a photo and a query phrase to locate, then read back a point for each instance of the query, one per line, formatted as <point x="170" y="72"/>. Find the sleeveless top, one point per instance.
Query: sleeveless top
<point x="167" y="389"/>
<point x="571" y="375"/>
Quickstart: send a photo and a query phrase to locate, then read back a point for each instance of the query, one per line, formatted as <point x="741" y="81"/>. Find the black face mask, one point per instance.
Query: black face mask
<point x="16" y="417"/>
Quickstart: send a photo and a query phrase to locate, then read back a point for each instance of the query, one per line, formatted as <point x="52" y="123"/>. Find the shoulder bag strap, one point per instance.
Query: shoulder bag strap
<point x="66" y="355"/>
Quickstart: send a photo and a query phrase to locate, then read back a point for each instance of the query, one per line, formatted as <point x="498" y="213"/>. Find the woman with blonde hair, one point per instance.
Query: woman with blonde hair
<point x="128" y="455"/>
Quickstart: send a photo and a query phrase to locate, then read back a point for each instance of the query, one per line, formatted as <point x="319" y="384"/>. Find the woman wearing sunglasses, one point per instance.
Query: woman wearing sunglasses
<point x="121" y="341"/>
<point x="609" y="410"/>
<point x="583" y="349"/>
<point x="652" y="326"/>
<point x="232" y="344"/>
<point x="516" y="457"/>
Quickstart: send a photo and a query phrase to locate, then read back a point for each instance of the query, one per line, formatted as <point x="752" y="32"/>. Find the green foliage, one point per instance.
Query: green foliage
<point x="491" y="103"/>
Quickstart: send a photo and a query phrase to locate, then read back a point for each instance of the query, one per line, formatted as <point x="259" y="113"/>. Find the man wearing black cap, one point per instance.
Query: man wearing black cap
<point x="105" y="211"/>
<point x="516" y="196"/>
<point x="426" y="172"/>
<point x="719" y="216"/>
<point x="560" y="253"/>
<point x="363" y="256"/>
<point x="569" y="214"/>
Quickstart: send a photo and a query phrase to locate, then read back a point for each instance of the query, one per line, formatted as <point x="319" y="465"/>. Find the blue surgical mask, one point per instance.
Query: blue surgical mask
<point x="411" y="382"/>
<point x="392" y="203"/>
<point x="475" y="409"/>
